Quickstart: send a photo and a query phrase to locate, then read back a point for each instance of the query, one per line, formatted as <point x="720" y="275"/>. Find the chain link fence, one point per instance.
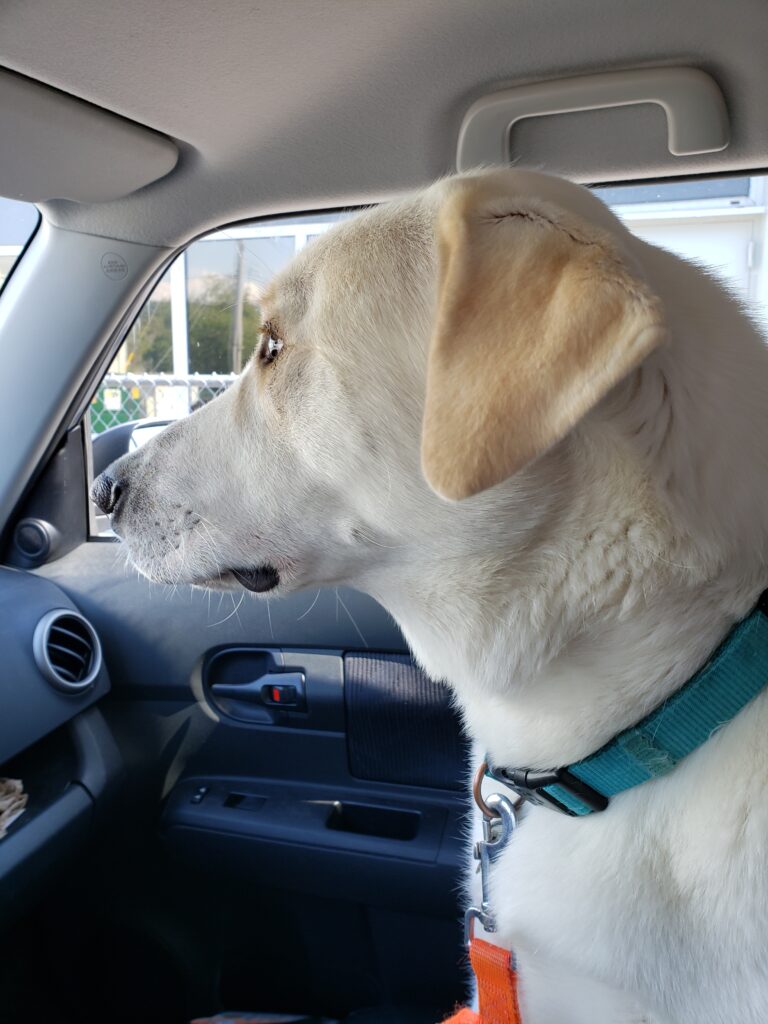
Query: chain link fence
<point x="124" y="397"/>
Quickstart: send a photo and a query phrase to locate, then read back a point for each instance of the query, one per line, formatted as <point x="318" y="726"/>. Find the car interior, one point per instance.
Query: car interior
<point x="214" y="805"/>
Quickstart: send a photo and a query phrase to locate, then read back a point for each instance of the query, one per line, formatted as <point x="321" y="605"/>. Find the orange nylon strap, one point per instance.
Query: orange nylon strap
<point x="463" y="1016"/>
<point x="496" y="987"/>
<point x="496" y="983"/>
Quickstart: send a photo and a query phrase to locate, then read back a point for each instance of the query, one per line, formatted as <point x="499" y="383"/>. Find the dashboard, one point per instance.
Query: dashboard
<point x="52" y="737"/>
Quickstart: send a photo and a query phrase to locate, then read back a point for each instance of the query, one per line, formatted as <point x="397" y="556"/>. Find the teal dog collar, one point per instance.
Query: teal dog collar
<point x="733" y="676"/>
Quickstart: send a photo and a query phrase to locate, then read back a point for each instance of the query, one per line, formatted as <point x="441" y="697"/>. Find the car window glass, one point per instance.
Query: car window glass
<point x="17" y="225"/>
<point x="199" y="326"/>
<point x="717" y="222"/>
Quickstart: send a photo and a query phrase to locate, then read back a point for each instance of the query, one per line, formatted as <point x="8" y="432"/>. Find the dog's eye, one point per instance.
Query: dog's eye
<point x="270" y="348"/>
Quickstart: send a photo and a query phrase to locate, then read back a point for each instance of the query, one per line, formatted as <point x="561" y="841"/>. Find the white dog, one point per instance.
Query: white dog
<point x="541" y="444"/>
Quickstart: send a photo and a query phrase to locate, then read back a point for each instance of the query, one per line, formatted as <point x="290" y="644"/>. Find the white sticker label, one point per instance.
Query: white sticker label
<point x="113" y="399"/>
<point x="114" y="266"/>
<point x="171" y="401"/>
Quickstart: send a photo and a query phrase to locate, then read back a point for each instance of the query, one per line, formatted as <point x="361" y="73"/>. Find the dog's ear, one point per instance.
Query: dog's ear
<point x="537" y="318"/>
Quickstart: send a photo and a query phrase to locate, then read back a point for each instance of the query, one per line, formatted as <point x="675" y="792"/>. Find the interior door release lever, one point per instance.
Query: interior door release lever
<point x="273" y="690"/>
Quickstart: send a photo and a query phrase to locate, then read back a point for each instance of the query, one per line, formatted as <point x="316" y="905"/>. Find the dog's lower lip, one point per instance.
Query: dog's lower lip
<point x="260" y="578"/>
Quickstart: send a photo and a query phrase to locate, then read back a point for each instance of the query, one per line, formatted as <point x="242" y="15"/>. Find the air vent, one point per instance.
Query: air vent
<point x="67" y="650"/>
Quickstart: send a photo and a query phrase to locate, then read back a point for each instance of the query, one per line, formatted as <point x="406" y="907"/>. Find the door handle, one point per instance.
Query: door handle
<point x="279" y="690"/>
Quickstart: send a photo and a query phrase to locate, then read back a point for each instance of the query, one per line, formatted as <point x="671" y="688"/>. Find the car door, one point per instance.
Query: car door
<point x="278" y="825"/>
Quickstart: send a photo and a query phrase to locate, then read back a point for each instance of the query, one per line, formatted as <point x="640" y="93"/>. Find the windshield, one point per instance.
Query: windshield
<point x="17" y="225"/>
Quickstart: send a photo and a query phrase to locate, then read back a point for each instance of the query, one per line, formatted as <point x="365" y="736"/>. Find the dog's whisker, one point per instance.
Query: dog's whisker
<point x="208" y="539"/>
<point x="351" y="617"/>
<point x="235" y="610"/>
<point x="208" y="522"/>
<point x="304" y="614"/>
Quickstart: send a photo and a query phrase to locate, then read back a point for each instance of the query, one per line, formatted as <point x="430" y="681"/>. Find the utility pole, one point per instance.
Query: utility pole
<point x="179" y="319"/>
<point x="236" y="339"/>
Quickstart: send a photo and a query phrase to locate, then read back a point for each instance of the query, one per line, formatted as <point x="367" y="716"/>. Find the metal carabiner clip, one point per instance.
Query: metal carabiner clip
<point x="499" y="822"/>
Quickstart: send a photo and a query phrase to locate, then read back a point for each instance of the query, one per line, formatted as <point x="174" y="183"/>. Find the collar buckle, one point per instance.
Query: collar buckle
<point x="531" y="784"/>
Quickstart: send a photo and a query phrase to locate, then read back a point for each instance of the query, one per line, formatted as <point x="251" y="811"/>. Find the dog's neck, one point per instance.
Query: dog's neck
<point x="578" y="647"/>
<point x="574" y="633"/>
<point x="648" y="544"/>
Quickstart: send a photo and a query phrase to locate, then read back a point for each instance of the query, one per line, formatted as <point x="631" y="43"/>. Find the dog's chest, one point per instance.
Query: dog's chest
<point x="660" y="897"/>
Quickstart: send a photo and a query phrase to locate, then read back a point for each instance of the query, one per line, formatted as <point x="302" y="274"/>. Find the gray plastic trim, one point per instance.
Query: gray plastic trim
<point x="48" y="538"/>
<point x="40" y="640"/>
<point x="697" y="118"/>
<point x="31" y="707"/>
<point x="58" y="147"/>
<point x="58" y="310"/>
<point x="27" y="853"/>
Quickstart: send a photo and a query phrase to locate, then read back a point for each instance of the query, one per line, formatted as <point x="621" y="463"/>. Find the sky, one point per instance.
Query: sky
<point x="17" y="221"/>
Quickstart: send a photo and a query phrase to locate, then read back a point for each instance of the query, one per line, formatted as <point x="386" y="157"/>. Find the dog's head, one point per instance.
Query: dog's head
<point x="429" y="349"/>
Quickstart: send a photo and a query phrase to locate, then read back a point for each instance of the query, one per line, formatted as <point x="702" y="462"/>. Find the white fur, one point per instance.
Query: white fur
<point x="561" y="606"/>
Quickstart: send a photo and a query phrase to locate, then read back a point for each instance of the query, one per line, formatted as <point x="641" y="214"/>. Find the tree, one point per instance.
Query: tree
<point x="148" y="347"/>
<point x="210" y="328"/>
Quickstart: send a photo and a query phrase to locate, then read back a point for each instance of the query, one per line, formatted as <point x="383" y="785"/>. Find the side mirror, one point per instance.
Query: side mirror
<point x="121" y="439"/>
<point x="143" y="432"/>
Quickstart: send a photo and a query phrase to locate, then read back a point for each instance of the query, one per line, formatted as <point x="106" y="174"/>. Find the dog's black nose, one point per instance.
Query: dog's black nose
<point x="106" y="492"/>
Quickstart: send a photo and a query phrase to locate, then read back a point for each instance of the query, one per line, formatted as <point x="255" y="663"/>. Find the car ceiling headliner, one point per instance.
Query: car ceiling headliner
<point x="304" y="104"/>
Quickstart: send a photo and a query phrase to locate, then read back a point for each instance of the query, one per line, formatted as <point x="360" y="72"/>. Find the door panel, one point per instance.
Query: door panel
<point x="154" y="635"/>
<point x="302" y="858"/>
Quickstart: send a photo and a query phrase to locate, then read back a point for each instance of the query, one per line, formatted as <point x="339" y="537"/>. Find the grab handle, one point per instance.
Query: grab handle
<point x="697" y="119"/>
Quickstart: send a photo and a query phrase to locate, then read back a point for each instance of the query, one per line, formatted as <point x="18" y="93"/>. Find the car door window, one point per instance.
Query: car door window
<point x="199" y="327"/>
<point x="719" y="223"/>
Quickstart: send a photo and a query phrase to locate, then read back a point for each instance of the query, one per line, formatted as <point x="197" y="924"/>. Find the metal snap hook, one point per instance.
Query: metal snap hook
<point x="477" y="791"/>
<point x="499" y="822"/>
